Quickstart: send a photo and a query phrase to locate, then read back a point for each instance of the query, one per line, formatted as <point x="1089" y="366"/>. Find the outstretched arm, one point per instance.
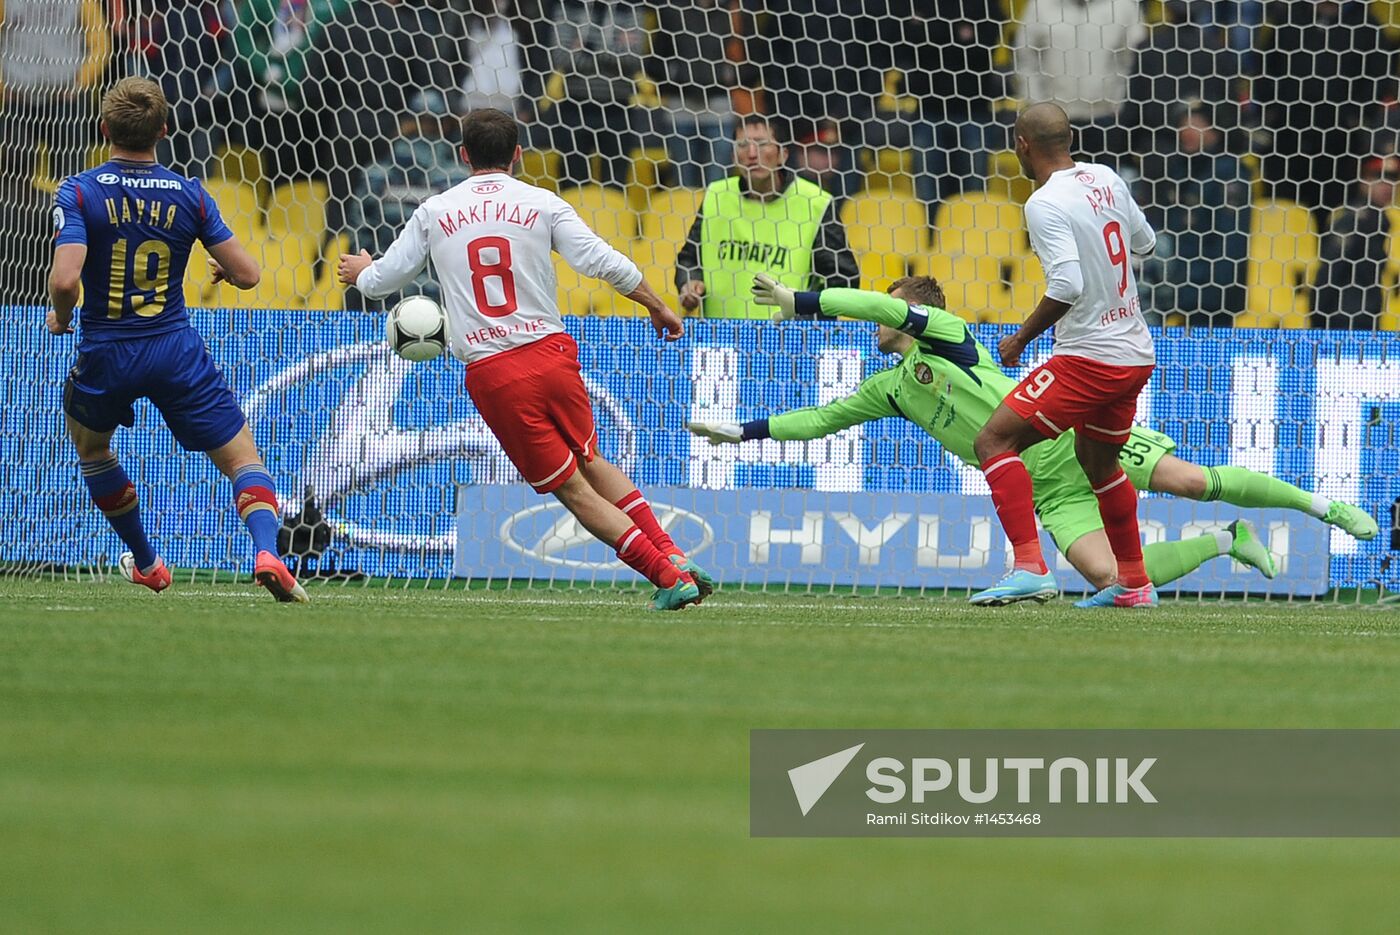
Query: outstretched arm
<point x="920" y="321"/>
<point x="870" y="401"/>
<point x="398" y="266"/>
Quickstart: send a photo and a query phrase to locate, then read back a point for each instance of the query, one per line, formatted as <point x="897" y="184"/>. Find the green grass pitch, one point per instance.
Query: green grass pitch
<point x="390" y="760"/>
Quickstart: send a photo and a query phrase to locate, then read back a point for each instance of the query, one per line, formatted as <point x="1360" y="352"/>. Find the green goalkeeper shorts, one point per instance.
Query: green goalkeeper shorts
<point x="1064" y="498"/>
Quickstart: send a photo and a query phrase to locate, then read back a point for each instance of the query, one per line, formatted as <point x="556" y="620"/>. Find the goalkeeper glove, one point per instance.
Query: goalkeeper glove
<point x="768" y="291"/>
<point x="719" y="433"/>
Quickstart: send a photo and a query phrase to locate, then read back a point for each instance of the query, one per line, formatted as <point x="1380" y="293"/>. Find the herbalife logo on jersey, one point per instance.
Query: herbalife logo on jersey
<point x="1080" y="783"/>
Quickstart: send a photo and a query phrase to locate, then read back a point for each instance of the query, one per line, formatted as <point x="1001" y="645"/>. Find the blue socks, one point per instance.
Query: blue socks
<point x="255" y="499"/>
<point x="115" y="496"/>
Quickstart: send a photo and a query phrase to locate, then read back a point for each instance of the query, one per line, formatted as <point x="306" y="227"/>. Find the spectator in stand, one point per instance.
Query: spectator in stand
<point x="492" y="53"/>
<point x="1323" y="79"/>
<point x="691" y="66"/>
<point x="185" y="46"/>
<point x="1198" y="198"/>
<point x="263" y="89"/>
<point x="1351" y="292"/>
<point x="820" y="157"/>
<point x="1182" y="60"/>
<point x="820" y="60"/>
<point x="1079" y="54"/>
<point x="598" y="49"/>
<point x="763" y="219"/>
<point x="52" y="57"/>
<point x="364" y="64"/>
<point x="422" y="161"/>
<point x="945" y="51"/>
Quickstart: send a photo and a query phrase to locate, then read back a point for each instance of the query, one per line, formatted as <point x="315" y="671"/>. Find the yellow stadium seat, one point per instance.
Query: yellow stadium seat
<point x="644" y="175"/>
<point x="888" y="232"/>
<point x="575" y="292"/>
<point x="238" y="203"/>
<point x="1390" y="315"/>
<point x="1387" y="13"/>
<point x="298" y="208"/>
<point x="666" y="222"/>
<point x="327" y="291"/>
<point x="606" y="211"/>
<point x="669" y="213"/>
<point x="1005" y="178"/>
<point x="296" y="222"/>
<point x="890" y="170"/>
<point x="979" y="251"/>
<point x="1283" y="247"/>
<point x="540" y="167"/>
<point x="240" y="164"/>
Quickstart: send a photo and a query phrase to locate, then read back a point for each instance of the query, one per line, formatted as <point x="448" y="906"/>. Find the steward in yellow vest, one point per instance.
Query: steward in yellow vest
<point x="762" y="220"/>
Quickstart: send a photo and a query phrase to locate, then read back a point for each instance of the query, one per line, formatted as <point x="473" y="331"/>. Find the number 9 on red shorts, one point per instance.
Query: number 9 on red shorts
<point x="1096" y="399"/>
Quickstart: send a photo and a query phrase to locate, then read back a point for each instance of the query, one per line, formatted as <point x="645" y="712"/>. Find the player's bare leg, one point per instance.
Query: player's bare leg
<point x="617" y="488"/>
<point x="675" y="589"/>
<point x="1118" y="506"/>
<point x="1243" y="487"/>
<point x="998" y="448"/>
<point x="115" y="495"/>
<point x="255" y="499"/>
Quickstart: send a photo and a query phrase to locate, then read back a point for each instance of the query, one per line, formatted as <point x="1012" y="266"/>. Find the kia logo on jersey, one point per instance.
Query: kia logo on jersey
<point x="487" y="188"/>
<point x="1085" y="178"/>
<point x="550" y="533"/>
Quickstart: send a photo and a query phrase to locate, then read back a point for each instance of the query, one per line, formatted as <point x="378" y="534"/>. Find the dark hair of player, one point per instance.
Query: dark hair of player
<point x="921" y="290"/>
<point x="490" y="136"/>
<point x="775" y="127"/>
<point x="135" y="112"/>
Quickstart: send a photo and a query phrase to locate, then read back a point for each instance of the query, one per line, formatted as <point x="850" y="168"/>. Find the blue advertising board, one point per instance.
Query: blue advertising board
<point x="803" y="538"/>
<point x="393" y="453"/>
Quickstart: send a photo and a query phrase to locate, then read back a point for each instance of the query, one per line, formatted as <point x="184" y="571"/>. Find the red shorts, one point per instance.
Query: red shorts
<point x="534" y="401"/>
<point x="1098" y="400"/>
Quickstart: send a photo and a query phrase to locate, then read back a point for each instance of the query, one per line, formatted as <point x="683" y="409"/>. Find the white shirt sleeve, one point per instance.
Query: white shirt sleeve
<point x="1053" y="241"/>
<point x="401" y="262"/>
<point x="1142" y="240"/>
<point x="589" y="254"/>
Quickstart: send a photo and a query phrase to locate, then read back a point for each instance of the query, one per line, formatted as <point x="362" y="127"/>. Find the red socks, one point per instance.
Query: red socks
<point x="637" y="550"/>
<point x="1118" y="507"/>
<point x="637" y="508"/>
<point x="1011" y="494"/>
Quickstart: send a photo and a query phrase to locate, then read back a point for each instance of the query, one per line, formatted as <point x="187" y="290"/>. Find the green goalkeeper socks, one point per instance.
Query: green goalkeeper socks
<point x="1167" y="561"/>
<point x="1244" y="487"/>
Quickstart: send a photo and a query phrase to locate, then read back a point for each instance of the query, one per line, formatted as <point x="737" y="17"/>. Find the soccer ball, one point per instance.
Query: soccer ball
<point x="416" y="329"/>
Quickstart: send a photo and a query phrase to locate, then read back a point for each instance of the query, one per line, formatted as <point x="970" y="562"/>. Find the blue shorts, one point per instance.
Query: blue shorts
<point x="173" y="370"/>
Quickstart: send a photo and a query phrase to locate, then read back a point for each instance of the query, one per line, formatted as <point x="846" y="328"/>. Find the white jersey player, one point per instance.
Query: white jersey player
<point x="1083" y="224"/>
<point x="491" y="240"/>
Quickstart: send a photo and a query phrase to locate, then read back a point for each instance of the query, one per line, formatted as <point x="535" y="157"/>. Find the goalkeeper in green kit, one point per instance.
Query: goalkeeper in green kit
<point x="949" y="385"/>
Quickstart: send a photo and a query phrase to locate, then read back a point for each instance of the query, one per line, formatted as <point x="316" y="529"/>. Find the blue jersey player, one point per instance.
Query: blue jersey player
<point x="124" y="232"/>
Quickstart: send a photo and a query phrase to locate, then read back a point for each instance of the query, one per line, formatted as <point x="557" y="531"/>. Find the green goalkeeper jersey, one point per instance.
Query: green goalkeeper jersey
<point x="948" y="384"/>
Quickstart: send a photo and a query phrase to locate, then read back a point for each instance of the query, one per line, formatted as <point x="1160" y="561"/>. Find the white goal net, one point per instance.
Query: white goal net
<point x="1262" y="139"/>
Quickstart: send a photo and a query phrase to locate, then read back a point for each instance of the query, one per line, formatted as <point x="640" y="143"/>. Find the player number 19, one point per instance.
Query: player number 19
<point x="1117" y="252"/>
<point x="143" y="281"/>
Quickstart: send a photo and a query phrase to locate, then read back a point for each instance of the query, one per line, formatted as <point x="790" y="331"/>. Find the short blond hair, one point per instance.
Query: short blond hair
<point x="135" y="111"/>
<point x="921" y="290"/>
